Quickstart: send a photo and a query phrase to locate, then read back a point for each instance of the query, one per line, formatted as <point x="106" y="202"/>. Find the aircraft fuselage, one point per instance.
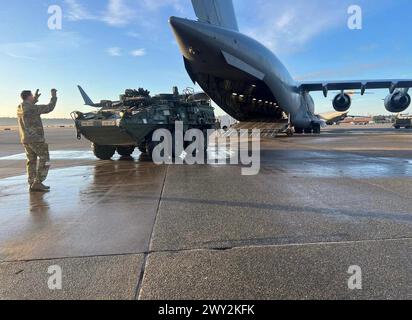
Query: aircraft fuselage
<point x="241" y="75"/>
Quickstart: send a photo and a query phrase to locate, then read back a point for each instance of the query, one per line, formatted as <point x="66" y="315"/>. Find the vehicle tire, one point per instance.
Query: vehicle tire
<point x="151" y="145"/>
<point x="125" y="151"/>
<point x="316" y="128"/>
<point x="103" y="152"/>
<point x="298" y="130"/>
<point x="397" y="127"/>
<point x="408" y="127"/>
<point x="142" y="148"/>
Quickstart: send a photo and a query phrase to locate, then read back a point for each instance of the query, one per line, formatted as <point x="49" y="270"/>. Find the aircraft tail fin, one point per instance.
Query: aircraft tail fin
<point x="217" y="12"/>
<point x="86" y="98"/>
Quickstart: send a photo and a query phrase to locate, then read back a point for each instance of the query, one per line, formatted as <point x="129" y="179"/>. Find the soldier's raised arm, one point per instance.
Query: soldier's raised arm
<point x="44" y="109"/>
<point x="36" y="97"/>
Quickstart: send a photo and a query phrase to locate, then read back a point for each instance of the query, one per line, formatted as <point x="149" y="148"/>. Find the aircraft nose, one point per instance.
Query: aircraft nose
<point x="174" y="22"/>
<point x="177" y="23"/>
<point x="184" y="28"/>
<point x="192" y="36"/>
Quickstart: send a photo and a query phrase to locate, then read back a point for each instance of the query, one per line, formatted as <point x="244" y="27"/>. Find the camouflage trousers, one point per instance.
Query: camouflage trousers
<point x="38" y="162"/>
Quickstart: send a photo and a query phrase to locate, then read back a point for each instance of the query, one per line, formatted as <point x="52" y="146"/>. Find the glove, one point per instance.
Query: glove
<point x="37" y="96"/>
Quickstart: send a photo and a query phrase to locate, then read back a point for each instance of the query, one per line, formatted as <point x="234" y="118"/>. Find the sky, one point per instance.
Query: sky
<point x="108" y="46"/>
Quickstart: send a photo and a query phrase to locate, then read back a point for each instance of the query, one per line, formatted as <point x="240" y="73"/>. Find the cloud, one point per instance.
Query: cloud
<point x="31" y="49"/>
<point x="369" y="47"/>
<point x="17" y="56"/>
<point x="138" y="53"/>
<point x="118" y="52"/>
<point x="114" y="51"/>
<point x="54" y="43"/>
<point x="178" y="5"/>
<point x="346" y="71"/>
<point x="77" y="11"/>
<point x="118" y="13"/>
<point x="133" y="34"/>
<point x="286" y="26"/>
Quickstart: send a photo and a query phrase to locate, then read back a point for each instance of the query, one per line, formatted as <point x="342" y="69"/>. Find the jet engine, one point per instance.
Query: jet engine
<point x="342" y="102"/>
<point x="397" y="102"/>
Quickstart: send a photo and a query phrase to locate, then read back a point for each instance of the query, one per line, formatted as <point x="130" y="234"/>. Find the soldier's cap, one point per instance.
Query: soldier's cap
<point x="25" y="94"/>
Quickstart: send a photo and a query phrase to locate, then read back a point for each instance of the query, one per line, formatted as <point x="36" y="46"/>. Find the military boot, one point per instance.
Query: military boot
<point x="44" y="186"/>
<point x="39" y="187"/>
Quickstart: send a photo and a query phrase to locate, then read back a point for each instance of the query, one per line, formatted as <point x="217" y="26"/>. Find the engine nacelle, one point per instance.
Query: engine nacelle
<point x="342" y="102"/>
<point x="397" y="102"/>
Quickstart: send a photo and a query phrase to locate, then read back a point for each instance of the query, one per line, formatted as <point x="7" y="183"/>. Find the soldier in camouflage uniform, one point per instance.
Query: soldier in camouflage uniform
<point x="32" y="138"/>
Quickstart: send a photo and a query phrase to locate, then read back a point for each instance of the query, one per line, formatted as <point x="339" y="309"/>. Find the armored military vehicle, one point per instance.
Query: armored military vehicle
<point x="403" y="121"/>
<point x="130" y="122"/>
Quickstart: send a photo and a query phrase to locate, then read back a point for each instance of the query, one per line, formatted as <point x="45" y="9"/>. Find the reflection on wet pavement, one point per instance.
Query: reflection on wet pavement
<point x="335" y="165"/>
<point x="67" y="155"/>
<point x="88" y="211"/>
<point x="213" y="154"/>
<point x="110" y="207"/>
<point x="319" y="203"/>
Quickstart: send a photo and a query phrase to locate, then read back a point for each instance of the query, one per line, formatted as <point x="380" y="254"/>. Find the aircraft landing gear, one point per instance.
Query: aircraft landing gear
<point x="314" y="129"/>
<point x="299" y="130"/>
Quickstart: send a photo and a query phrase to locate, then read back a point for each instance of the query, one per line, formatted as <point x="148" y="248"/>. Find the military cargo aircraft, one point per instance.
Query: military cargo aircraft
<point x="250" y="83"/>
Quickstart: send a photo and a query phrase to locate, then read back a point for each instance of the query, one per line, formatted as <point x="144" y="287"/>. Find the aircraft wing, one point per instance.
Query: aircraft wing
<point x="362" y="85"/>
<point x="217" y="12"/>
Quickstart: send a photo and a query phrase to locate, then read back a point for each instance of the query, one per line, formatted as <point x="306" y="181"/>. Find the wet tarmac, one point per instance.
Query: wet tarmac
<point x="128" y="229"/>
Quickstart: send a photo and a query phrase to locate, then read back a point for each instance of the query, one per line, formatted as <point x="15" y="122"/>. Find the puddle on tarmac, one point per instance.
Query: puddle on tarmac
<point x="216" y="155"/>
<point x="57" y="155"/>
<point x="101" y="167"/>
<point x="355" y="169"/>
<point x="314" y="165"/>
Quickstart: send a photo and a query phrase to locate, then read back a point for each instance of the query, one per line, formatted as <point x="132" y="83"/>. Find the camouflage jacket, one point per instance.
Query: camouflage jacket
<point x="30" y="124"/>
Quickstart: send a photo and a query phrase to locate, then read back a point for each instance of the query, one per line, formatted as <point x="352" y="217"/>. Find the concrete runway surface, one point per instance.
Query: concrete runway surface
<point x="133" y="230"/>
